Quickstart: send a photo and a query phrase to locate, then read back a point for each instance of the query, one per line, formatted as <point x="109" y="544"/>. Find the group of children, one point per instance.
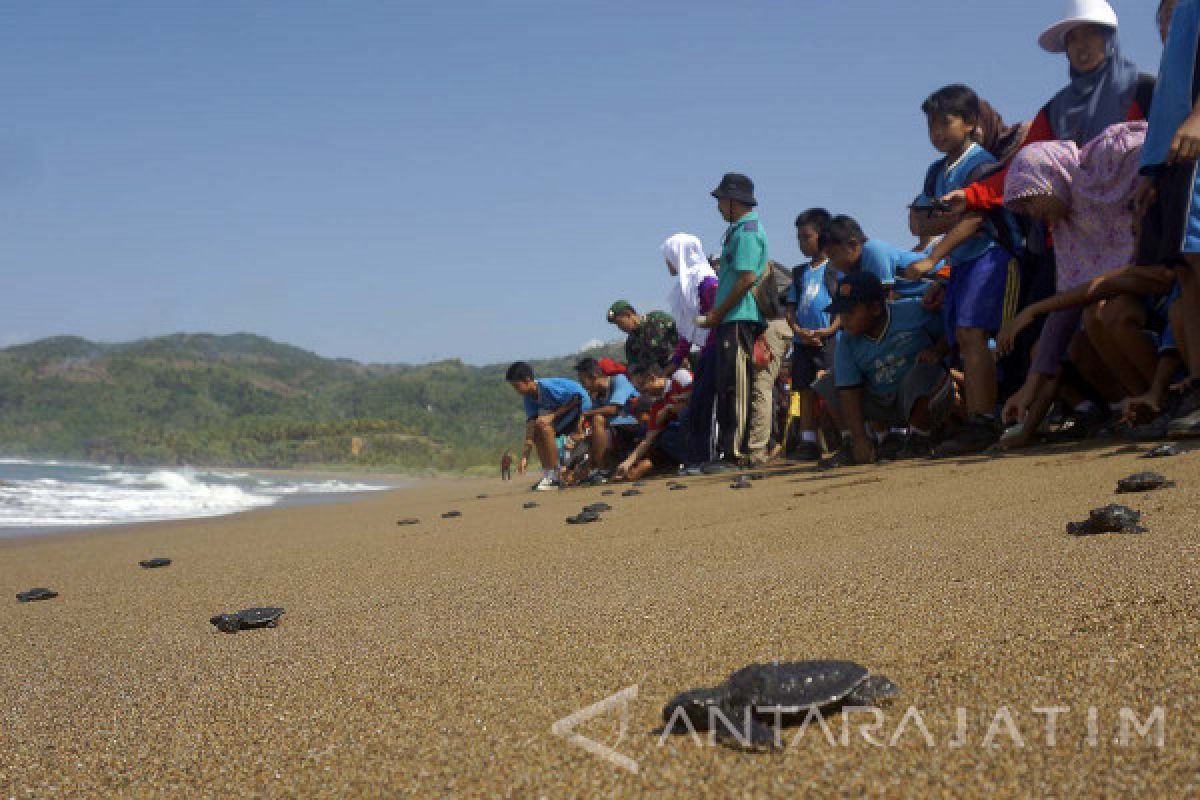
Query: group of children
<point x="1053" y="293"/>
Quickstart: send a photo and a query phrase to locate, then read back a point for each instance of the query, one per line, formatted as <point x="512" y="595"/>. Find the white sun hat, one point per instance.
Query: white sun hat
<point x="1079" y="12"/>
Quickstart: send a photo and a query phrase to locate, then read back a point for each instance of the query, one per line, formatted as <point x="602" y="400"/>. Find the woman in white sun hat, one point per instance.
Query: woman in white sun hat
<point x="1105" y="89"/>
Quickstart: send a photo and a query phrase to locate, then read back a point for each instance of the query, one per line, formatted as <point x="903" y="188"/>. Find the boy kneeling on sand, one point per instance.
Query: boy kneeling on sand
<point x="553" y="407"/>
<point x="887" y="367"/>
<point x="666" y="441"/>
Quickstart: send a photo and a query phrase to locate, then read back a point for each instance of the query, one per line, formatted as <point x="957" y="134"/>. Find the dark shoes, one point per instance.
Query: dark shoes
<point x="916" y="447"/>
<point x="980" y="434"/>
<point x="807" y="452"/>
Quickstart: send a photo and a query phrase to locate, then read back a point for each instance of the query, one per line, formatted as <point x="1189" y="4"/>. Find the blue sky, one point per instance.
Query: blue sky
<point x="392" y="181"/>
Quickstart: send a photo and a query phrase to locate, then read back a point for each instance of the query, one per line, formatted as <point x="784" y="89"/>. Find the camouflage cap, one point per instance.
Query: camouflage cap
<point x="618" y="308"/>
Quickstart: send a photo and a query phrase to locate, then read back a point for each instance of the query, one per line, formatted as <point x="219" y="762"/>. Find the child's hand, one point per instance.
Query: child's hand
<point x="1185" y="147"/>
<point x="1133" y="407"/>
<point x="956" y="201"/>
<point x="1006" y="339"/>
<point x="919" y="269"/>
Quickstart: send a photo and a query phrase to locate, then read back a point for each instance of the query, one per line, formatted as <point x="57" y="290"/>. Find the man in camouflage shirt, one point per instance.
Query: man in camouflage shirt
<point x="652" y="338"/>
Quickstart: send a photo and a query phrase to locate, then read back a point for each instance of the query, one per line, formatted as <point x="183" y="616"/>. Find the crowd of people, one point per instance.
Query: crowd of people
<point x="1053" y="293"/>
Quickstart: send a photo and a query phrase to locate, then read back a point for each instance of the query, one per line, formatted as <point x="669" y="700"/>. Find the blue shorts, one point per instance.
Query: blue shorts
<point x="982" y="293"/>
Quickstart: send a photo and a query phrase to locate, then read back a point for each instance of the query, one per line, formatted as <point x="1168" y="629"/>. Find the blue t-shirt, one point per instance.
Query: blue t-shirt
<point x="880" y="365"/>
<point x="620" y="392"/>
<point x="744" y="250"/>
<point x="553" y="394"/>
<point x="810" y="294"/>
<point x="1174" y="93"/>
<point x="959" y="175"/>
<point x="888" y="262"/>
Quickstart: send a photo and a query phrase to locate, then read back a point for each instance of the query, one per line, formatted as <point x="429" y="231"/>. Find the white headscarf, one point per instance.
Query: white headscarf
<point x="686" y="254"/>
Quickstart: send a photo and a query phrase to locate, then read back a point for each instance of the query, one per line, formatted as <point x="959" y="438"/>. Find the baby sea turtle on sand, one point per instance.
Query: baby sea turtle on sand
<point x="481" y="497"/>
<point x="1143" y="482"/>
<point x="409" y="521"/>
<point x="583" y="518"/>
<point x="676" y="487"/>
<point x="793" y="690"/>
<point x="638" y="484"/>
<point x="598" y="507"/>
<point x="630" y="493"/>
<point x="34" y="595"/>
<point x="608" y="493"/>
<point x="247" y="619"/>
<point x="1110" y="519"/>
<point x="1163" y="451"/>
<point x="154" y="563"/>
<point x="741" y="483"/>
<point x="452" y="515"/>
<point x="530" y="504"/>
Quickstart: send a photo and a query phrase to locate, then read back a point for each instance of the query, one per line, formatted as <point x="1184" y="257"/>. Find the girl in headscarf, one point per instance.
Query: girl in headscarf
<point x="692" y="295"/>
<point x="1085" y="199"/>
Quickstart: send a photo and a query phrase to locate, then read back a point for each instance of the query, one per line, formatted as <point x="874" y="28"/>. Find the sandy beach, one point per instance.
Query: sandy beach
<point x="432" y="660"/>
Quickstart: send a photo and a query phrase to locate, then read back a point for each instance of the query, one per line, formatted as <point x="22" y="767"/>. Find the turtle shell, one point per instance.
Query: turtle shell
<point x="794" y="687"/>
<point x="36" y="594"/>
<point x="154" y="563"/>
<point x="260" y="617"/>
<point x="1142" y="482"/>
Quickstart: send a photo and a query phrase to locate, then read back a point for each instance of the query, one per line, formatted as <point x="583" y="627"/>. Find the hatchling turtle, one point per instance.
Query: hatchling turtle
<point x="1143" y="482"/>
<point x="638" y="484"/>
<point x="676" y="487"/>
<point x="598" y="507"/>
<point x="1163" y="451"/>
<point x="530" y="504"/>
<point x="409" y="521"/>
<point x="608" y="493"/>
<point x="741" y="483"/>
<point x="630" y="493"/>
<point x="247" y="619"/>
<point x="452" y="515"/>
<point x="792" y="690"/>
<point x="1110" y="519"/>
<point x="154" y="563"/>
<point x="583" y="518"/>
<point x="36" y="594"/>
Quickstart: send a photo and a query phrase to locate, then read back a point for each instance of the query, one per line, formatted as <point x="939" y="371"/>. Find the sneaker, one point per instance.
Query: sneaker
<point x="890" y="447"/>
<point x="978" y="435"/>
<point x="844" y="457"/>
<point x="547" y="485"/>
<point x="915" y="447"/>
<point x="1153" y="431"/>
<point x="1185" y="427"/>
<point x="1189" y="401"/>
<point x="807" y="451"/>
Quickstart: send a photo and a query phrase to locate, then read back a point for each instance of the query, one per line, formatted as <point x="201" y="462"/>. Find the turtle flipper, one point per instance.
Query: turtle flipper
<point x="876" y="690"/>
<point x="755" y="738"/>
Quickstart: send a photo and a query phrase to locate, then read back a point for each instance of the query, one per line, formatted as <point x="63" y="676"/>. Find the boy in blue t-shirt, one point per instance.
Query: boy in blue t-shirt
<point x="887" y="369"/>
<point x="807" y="300"/>
<point x="614" y="428"/>
<point x="850" y="250"/>
<point x="982" y="273"/>
<point x="553" y="407"/>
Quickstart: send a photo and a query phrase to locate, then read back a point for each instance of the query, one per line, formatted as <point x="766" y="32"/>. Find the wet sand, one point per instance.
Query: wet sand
<point x="432" y="660"/>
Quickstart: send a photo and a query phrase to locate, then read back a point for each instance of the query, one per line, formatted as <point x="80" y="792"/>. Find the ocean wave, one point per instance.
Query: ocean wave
<point x="84" y="496"/>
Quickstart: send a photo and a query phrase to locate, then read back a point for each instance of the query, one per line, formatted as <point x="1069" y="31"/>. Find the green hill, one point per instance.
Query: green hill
<point x="244" y="400"/>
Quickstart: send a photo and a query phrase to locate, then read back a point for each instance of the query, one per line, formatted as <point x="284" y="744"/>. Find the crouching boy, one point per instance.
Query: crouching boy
<point x="887" y="368"/>
<point x="553" y="407"/>
<point x="666" y="441"/>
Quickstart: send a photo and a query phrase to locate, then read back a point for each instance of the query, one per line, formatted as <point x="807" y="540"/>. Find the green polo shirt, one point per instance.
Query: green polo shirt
<point x="745" y="250"/>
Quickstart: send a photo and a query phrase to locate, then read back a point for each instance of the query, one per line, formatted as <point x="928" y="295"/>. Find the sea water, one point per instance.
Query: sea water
<point x="41" y="496"/>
